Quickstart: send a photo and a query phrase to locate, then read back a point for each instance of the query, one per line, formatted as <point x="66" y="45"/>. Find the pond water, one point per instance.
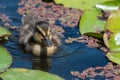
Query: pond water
<point x="71" y="57"/>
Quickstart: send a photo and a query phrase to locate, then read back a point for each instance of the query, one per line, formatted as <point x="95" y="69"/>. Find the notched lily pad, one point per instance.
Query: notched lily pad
<point x="112" y="37"/>
<point x="5" y="59"/>
<point x="92" y="23"/>
<point x="112" y="41"/>
<point x="25" y="74"/>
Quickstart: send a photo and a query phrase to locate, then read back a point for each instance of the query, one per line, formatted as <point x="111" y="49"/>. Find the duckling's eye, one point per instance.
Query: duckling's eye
<point x="40" y="33"/>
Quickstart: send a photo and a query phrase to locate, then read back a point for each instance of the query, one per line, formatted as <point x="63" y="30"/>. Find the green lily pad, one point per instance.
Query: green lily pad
<point x="112" y="38"/>
<point x="91" y="23"/>
<point x="81" y="4"/>
<point x="113" y="26"/>
<point x="114" y="57"/>
<point x="25" y="74"/>
<point x="112" y="3"/>
<point x="106" y="7"/>
<point x="5" y="59"/>
<point x="4" y="32"/>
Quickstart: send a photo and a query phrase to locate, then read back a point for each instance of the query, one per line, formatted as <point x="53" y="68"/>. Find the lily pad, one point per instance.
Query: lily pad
<point x="112" y="40"/>
<point x="114" y="57"/>
<point x="91" y="23"/>
<point x="113" y="27"/>
<point x="4" y="32"/>
<point x="112" y="3"/>
<point x="81" y="4"/>
<point x="25" y="74"/>
<point x="106" y="7"/>
<point x="5" y="59"/>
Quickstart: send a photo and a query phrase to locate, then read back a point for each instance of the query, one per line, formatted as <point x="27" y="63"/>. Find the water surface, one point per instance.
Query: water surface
<point x="71" y="57"/>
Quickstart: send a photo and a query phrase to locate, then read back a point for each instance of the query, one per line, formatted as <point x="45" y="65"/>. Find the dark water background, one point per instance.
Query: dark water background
<point x="71" y="57"/>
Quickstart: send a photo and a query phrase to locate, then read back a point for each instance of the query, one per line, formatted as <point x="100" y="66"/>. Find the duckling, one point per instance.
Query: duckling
<point x="37" y="37"/>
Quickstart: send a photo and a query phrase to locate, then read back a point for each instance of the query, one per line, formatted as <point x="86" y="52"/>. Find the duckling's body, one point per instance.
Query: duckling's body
<point x="38" y="37"/>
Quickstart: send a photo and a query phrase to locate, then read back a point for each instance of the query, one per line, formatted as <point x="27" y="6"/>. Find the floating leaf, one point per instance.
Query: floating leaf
<point x="114" y="57"/>
<point x="81" y="4"/>
<point x="4" y="32"/>
<point x="107" y="8"/>
<point x="112" y="3"/>
<point x="112" y="36"/>
<point x="5" y="59"/>
<point x="25" y="74"/>
<point x="91" y="23"/>
<point x="113" y="27"/>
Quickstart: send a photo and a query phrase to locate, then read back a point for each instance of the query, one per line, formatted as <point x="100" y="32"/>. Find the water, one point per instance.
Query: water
<point x="71" y="57"/>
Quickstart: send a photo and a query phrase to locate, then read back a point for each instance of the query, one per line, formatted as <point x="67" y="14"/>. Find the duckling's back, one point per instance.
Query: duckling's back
<point x="26" y="31"/>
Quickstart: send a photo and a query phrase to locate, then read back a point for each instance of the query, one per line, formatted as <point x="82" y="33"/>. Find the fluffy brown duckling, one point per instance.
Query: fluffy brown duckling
<point x="38" y="37"/>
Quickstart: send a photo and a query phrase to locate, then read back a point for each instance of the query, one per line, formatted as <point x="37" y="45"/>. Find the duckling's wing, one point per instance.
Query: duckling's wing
<point x="30" y="18"/>
<point x="25" y="34"/>
<point x="28" y="23"/>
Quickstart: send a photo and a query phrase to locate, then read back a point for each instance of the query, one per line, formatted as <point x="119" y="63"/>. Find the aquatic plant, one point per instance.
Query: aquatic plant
<point x="25" y="74"/>
<point x="91" y="24"/>
<point x="101" y="23"/>
<point x="112" y="36"/>
<point x="51" y="12"/>
<point x="110" y="71"/>
<point x="6" y="58"/>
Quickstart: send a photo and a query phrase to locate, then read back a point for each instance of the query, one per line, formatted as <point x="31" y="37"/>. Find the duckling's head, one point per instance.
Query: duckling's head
<point x="42" y="34"/>
<point x="47" y="40"/>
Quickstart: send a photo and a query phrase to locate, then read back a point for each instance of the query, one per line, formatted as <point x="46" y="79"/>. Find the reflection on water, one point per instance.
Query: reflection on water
<point x="41" y="64"/>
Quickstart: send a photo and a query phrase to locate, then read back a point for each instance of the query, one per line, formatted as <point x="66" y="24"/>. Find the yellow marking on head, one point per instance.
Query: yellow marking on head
<point x="41" y="30"/>
<point x="48" y="32"/>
